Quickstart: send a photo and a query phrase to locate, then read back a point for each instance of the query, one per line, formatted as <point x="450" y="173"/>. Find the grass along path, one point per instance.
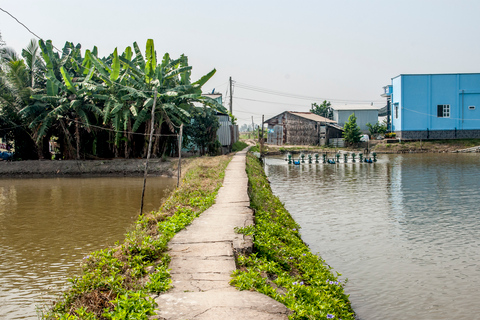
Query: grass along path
<point x="282" y="265"/>
<point x="118" y="282"/>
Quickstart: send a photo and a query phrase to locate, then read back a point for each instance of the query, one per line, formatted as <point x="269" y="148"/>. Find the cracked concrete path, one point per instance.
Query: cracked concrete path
<point x="203" y="259"/>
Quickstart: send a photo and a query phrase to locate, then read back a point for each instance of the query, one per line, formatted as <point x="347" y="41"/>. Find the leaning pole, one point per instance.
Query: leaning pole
<point x="149" y="149"/>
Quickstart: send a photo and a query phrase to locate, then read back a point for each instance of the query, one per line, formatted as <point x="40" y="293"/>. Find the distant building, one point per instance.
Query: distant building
<point x="215" y="96"/>
<point x="301" y="128"/>
<point x="364" y="114"/>
<point x="228" y="133"/>
<point x="434" y="106"/>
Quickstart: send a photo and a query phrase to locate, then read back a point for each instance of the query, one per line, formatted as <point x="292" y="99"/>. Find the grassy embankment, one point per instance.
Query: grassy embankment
<point x="116" y="283"/>
<point x="382" y="146"/>
<point x="432" y="146"/>
<point x="282" y="265"/>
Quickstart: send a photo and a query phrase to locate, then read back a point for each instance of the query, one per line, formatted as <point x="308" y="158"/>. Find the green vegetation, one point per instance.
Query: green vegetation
<point x="352" y="133"/>
<point x="94" y="106"/>
<point x="239" y="146"/>
<point x="325" y="110"/>
<point x="115" y="282"/>
<point x="377" y="128"/>
<point x="202" y="131"/>
<point x="282" y="265"/>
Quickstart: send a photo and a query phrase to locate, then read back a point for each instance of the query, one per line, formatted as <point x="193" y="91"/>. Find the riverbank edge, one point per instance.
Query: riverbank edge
<point x="382" y="147"/>
<point x="85" y="168"/>
<point x="118" y="282"/>
<point x="281" y="265"/>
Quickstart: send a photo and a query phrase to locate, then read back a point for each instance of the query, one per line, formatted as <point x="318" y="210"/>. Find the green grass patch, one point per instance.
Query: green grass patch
<point x="282" y="265"/>
<point x="115" y="283"/>
<point x="239" y="146"/>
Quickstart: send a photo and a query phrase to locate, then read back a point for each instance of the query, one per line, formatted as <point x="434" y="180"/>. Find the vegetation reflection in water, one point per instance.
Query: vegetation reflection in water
<point x="405" y="230"/>
<point x="47" y="226"/>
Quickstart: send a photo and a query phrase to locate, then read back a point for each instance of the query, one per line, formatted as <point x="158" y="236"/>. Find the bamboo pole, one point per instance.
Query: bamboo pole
<point x="149" y="149"/>
<point x="179" y="171"/>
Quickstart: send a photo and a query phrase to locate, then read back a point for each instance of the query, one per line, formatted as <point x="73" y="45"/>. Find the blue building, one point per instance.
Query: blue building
<point x="434" y="106"/>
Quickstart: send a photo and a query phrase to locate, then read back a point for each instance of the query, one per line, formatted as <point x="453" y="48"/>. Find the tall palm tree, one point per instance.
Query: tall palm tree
<point x="15" y="92"/>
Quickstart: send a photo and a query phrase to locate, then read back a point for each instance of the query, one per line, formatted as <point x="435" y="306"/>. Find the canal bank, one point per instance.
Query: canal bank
<point x="114" y="167"/>
<point x="404" y="230"/>
<point x="390" y="146"/>
<point x="282" y="266"/>
<point x="117" y="282"/>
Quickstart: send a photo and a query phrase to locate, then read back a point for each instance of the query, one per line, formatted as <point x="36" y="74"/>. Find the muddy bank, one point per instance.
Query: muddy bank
<point x="382" y="146"/>
<point x="116" y="167"/>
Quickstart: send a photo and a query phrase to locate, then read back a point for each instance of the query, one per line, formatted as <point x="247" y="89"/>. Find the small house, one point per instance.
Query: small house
<point x="434" y="106"/>
<point x="364" y="114"/>
<point x="301" y="128"/>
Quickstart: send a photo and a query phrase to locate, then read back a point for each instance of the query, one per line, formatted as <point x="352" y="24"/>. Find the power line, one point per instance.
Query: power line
<point x="272" y="102"/>
<point x="435" y="116"/>
<point x="26" y="27"/>
<point x="121" y="131"/>
<point x="296" y="96"/>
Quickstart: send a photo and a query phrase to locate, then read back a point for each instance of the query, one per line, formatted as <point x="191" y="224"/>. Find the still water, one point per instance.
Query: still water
<point x="48" y="225"/>
<point x="405" y="231"/>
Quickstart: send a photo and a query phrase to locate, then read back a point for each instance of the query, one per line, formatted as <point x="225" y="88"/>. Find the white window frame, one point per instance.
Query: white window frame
<point x="445" y="111"/>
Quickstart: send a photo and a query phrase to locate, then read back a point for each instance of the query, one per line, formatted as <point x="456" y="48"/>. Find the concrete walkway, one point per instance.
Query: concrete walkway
<point x="203" y="259"/>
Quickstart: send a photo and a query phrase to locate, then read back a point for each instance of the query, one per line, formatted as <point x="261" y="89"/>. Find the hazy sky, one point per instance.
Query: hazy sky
<point x="339" y="50"/>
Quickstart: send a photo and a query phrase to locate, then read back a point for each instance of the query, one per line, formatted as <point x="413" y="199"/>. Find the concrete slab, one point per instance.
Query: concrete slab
<point x="201" y="249"/>
<point x="220" y="304"/>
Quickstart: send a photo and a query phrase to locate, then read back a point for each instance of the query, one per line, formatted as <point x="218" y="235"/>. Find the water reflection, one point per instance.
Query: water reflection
<point x="48" y="225"/>
<point x="404" y="230"/>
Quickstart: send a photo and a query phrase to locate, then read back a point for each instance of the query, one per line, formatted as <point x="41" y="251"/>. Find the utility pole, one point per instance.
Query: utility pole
<point x="261" y="139"/>
<point x="231" y="95"/>
<point x="253" y="129"/>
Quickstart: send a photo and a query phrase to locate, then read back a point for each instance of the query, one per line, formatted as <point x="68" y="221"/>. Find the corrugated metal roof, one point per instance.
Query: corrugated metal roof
<point x="311" y="116"/>
<point x="306" y="115"/>
<point x="356" y="107"/>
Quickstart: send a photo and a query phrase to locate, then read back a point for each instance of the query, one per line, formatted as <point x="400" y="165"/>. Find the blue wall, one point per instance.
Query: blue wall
<point x="417" y="97"/>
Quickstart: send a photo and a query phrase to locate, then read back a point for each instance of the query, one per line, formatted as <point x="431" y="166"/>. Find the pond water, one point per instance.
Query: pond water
<point x="405" y="230"/>
<point x="47" y="226"/>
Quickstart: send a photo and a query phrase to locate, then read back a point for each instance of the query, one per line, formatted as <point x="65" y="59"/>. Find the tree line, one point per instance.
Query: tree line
<point x="94" y="107"/>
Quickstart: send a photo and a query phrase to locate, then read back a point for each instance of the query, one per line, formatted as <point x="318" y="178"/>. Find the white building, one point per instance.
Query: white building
<point x="364" y="113"/>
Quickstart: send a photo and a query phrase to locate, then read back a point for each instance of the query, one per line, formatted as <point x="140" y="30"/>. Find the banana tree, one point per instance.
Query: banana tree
<point x="69" y="94"/>
<point x="131" y="81"/>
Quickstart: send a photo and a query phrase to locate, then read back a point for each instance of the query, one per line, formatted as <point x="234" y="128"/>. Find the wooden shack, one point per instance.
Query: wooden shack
<point x="301" y="128"/>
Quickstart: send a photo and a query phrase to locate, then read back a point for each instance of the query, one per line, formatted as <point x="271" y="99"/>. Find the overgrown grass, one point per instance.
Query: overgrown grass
<point x="239" y="146"/>
<point x="282" y="266"/>
<point x="115" y="283"/>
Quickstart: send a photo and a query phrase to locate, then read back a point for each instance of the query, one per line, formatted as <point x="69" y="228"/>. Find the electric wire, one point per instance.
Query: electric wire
<point x="26" y="27"/>
<point x="122" y="131"/>
<point x="435" y="116"/>
<point x="297" y="96"/>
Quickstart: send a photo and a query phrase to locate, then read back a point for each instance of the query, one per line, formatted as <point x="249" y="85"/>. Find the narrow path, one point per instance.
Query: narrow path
<point x="203" y="259"/>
